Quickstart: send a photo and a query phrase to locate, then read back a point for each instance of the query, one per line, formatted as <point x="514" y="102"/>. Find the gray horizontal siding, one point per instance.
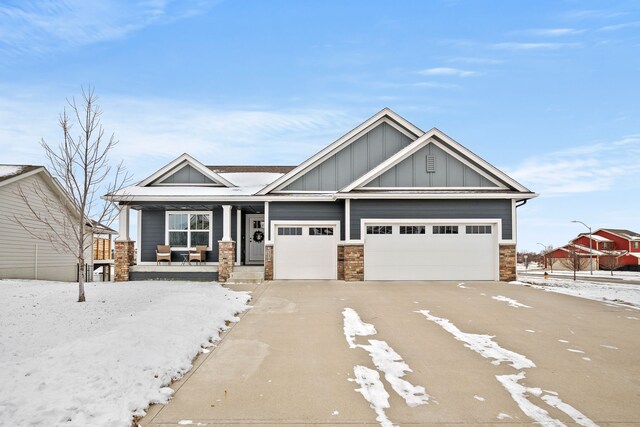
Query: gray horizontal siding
<point x="153" y="233"/>
<point x="308" y="211"/>
<point x="430" y="209"/>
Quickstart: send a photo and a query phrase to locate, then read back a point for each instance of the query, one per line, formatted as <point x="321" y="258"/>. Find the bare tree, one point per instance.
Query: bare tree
<point x="610" y="262"/>
<point x="573" y="260"/>
<point x="80" y="164"/>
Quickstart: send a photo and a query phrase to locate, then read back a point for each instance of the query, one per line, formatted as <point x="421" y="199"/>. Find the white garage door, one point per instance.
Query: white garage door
<point x="305" y="252"/>
<point x="431" y="251"/>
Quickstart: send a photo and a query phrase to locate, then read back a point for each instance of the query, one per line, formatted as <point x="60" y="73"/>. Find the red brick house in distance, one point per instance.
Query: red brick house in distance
<point x="606" y="243"/>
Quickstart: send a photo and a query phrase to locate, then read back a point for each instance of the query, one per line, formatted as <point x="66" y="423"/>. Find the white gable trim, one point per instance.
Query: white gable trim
<point x="385" y="115"/>
<point x="419" y="143"/>
<point x="483" y="163"/>
<point x="162" y="172"/>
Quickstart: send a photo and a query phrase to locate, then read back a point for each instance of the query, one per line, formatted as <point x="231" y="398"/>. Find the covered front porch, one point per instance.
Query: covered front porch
<point x="233" y="234"/>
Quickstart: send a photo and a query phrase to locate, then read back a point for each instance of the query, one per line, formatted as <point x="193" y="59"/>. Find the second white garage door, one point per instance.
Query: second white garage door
<point x="305" y="252"/>
<point x="454" y="251"/>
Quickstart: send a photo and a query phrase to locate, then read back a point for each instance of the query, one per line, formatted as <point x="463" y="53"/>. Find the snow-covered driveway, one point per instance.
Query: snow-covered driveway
<point x="422" y="353"/>
<point x="103" y="361"/>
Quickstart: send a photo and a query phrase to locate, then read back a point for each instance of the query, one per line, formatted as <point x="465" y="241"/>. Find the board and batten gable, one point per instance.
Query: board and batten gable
<point x="353" y="161"/>
<point x="431" y="209"/>
<point x="23" y="256"/>
<point x="187" y="175"/>
<point x="153" y="232"/>
<point x="444" y="171"/>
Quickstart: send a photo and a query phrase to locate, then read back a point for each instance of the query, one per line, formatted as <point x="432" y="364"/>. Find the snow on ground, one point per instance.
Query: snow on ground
<point x="394" y="368"/>
<point x="519" y="394"/>
<point x="386" y="361"/>
<point x="511" y="302"/>
<point x="628" y="295"/>
<point x="482" y="344"/>
<point x="103" y="361"/>
<point x="353" y="326"/>
<point x="622" y="275"/>
<point x="373" y="391"/>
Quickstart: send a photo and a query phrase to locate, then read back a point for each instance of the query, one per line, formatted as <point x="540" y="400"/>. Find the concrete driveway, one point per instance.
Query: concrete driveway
<point x="288" y="362"/>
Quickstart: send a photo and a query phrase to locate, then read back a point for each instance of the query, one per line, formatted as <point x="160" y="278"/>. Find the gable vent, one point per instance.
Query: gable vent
<point x="431" y="164"/>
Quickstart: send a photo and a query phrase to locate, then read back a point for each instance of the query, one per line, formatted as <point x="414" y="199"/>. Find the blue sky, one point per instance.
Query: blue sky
<point x="548" y="91"/>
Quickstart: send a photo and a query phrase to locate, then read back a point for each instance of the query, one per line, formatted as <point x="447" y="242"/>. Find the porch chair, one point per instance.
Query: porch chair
<point x="163" y="253"/>
<point x="198" y="254"/>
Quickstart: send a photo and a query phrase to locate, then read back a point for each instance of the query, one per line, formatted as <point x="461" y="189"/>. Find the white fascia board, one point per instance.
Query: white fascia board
<point x="396" y="196"/>
<point x="405" y="127"/>
<point x="193" y="162"/>
<point x="459" y="147"/>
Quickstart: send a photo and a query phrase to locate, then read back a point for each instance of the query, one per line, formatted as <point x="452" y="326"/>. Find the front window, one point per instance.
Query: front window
<point x="636" y="245"/>
<point x="188" y="229"/>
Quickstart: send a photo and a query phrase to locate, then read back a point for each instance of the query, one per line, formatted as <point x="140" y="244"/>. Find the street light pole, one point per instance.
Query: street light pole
<point x="544" y="254"/>
<point x="590" y="246"/>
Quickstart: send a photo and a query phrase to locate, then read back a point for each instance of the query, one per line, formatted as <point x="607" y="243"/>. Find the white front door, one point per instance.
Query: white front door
<point x="255" y="239"/>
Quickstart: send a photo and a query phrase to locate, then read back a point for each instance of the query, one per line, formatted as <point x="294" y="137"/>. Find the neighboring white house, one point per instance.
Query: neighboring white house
<point x="23" y="256"/>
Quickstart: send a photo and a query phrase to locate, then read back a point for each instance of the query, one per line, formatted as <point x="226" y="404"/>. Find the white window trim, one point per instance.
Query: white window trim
<point x="186" y="248"/>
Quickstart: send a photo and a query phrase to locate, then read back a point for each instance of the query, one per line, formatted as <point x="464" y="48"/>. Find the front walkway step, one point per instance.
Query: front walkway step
<point x="246" y="274"/>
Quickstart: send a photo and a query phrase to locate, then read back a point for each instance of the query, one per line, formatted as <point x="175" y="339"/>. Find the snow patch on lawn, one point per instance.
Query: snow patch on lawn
<point x="354" y="326"/>
<point x="482" y="344"/>
<point x="104" y="361"/>
<point x="394" y="368"/>
<point x="539" y="415"/>
<point x="618" y="294"/>
<point x="511" y="302"/>
<point x="373" y="391"/>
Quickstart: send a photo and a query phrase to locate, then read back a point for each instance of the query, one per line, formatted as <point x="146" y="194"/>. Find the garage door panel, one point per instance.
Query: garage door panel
<point x="305" y="256"/>
<point x="430" y="256"/>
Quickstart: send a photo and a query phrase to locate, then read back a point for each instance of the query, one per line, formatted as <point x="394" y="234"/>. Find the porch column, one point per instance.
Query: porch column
<point x="226" y="223"/>
<point x="226" y="247"/>
<point x="124" y="247"/>
<point x="123" y="224"/>
<point x="238" y="236"/>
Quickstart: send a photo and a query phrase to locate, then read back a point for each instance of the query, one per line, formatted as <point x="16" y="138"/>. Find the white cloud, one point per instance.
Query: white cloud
<point x="436" y="85"/>
<point x="476" y="60"/>
<point x="447" y="71"/>
<point x="617" y="27"/>
<point x="41" y="26"/>
<point x="154" y="131"/>
<point x="532" y="46"/>
<point x="553" y="32"/>
<point x="582" y="169"/>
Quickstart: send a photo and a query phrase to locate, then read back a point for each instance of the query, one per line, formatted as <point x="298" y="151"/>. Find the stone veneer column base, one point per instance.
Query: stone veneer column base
<point x="507" y="263"/>
<point x="340" y="262"/>
<point x="268" y="262"/>
<point x="226" y="259"/>
<point x="124" y="252"/>
<point x="354" y="263"/>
